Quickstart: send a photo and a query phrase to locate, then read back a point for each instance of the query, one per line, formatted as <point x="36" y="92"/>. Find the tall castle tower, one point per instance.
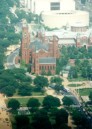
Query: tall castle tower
<point x="78" y="40"/>
<point x="25" y="50"/>
<point x="53" y="47"/>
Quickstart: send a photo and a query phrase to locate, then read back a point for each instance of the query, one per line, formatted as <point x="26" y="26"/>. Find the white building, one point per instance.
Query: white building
<point x="39" y="6"/>
<point x="59" y="13"/>
<point x="59" y="19"/>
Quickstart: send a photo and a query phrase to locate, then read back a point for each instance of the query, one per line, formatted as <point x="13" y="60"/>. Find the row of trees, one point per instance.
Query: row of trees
<point x="42" y="119"/>
<point x="13" y="80"/>
<point x="16" y="80"/>
<point x="82" y="58"/>
<point x="82" y="68"/>
<point x="48" y="116"/>
<point x="48" y="102"/>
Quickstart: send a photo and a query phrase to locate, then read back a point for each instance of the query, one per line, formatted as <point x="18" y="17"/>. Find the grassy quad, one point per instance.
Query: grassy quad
<point x="84" y="92"/>
<point x="75" y="85"/>
<point x="79" y="79"/>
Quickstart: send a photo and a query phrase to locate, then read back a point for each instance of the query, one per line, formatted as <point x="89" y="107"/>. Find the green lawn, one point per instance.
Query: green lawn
<point x="23" y="101"/>
<point x="77" y="79"/>
<point x="74" y="85"/>
<point x="33" y="94"/>
<point x="84" y="92"/>
<point x="38" y="94"/>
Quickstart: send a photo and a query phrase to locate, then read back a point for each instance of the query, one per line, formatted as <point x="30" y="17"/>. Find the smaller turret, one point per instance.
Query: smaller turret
<point x="78" y="40"/>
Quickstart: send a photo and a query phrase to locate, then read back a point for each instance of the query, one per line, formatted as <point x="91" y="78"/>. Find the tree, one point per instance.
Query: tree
<point x="90" y="96"/>
<point x="56" y="80"/>
<point x="8" y="90"/>
<point x="73" y="72"/>
<point x="58" y="87"/>
<point x="40" y="82"/>
<point x="25" y="90"/>
<point x="89" y="72"/>
<point x="41" y="120"/>
<point x="64" y="126"/>
<point x="79" y="117"/>
<point x="61" y="117"/>
<point x="13" y="103"/>
<point x="67" y="101"/>
<point x="50" y="102"/>
<point x="22" y="122"/>
<point x="83" y="1"/>
<point x="33" y="102"/>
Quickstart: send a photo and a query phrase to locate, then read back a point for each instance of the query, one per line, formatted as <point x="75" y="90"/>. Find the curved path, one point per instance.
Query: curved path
<point x="11" y="59"/>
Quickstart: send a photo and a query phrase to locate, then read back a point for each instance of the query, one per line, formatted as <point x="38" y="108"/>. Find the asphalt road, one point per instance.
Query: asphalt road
<point x="69" y="94"/>
<point x="11" y="59"/>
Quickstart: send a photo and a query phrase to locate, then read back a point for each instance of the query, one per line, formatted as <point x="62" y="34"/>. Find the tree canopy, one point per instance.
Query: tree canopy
<point x="90" y="96"/>
<point x="61" y="117"/>
<point x="33" y="102"/>
<point x="13" y="103"/>
<point x="56" y="80"/>
<point x="67" y="101"/>
<point x="50" y="101"/>
<point x="41" y="81"/>
<point x="12" y="80"/>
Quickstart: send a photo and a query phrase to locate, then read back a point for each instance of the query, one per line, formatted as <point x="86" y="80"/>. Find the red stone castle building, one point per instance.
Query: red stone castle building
<point x="41" y="54"/>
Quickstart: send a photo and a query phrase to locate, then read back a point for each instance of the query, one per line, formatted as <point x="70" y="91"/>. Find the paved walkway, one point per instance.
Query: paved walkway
<point x="39" y="96"/>
<point x="84" y="84"/>
<point x="4" y="116"/>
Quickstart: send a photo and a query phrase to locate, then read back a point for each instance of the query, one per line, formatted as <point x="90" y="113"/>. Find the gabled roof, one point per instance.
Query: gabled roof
<point x="38" y="45"/>
<point x="47" y="60"/>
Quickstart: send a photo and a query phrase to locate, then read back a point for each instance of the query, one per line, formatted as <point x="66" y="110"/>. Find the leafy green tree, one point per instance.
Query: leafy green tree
<point x="22" y="122"/>
<point x="8" y="90"/>
<point x="41" y="82"/>
<point x="58" y="87"/>
<point x="83" y="1"/>
<point x="41" y="120"/>
<point x="90" y="96"/>
<point x="61" y="117"/>
<point x="90" y="52"/>
<point x="49" y="73"/>
<point x="64" y="126"/>
<point x="33" y="102"/>
<point x="56" y="80"/>
<point x="73" y="72"/>
<point x="84" y="73"/>
<point x="79" y="118"/>
<point x="13" y="103"/>
<point x="51" y="102"/>
<point x="89" y="72"/>
<point x="67" y="101"/>
<point x="25" y="90"/>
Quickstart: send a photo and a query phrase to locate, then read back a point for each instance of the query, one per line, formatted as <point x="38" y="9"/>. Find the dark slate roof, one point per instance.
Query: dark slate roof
<point x="37" y="45"/>
<point x="47" y="60"/>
